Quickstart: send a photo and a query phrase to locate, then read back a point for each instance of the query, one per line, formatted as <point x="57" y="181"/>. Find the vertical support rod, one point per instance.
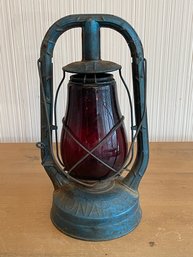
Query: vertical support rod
<point x="139" y="83"/>
<point x="91" y="40"/>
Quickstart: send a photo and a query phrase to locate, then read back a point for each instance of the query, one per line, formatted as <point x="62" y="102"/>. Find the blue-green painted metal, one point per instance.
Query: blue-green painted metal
<point x="85" y="214"/>
<point x="102" y="214"/>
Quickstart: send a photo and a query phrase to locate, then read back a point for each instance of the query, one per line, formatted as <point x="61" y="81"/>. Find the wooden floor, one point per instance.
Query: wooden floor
<point x="166" y="194"/>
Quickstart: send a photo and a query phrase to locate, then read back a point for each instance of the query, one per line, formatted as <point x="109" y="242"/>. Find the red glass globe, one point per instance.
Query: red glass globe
<point x="92" y="111"/>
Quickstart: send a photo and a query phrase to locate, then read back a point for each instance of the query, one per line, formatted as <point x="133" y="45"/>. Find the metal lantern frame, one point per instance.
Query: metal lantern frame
<point x="123" y="189"/>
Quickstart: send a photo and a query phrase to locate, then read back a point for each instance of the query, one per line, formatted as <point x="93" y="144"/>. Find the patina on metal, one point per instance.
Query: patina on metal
<point x="107" y="208"/>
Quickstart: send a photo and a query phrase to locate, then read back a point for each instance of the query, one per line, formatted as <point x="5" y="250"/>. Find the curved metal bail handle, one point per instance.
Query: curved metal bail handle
<point x="48" y="44"/>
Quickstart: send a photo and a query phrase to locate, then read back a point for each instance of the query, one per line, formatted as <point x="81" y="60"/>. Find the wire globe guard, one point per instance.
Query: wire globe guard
<point x="80" y="212"/>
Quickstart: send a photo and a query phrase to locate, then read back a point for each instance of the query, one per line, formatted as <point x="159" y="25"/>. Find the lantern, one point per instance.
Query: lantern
<point x="92" y="200"/>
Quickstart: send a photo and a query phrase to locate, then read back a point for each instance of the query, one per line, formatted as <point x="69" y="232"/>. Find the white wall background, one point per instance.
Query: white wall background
<point x="165" y="28"/>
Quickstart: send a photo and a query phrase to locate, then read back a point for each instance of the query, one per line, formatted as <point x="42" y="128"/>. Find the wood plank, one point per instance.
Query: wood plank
<point x="166" y="193"/>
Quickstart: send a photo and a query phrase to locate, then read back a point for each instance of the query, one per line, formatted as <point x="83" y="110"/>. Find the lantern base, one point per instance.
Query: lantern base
<point x="95" y="216"/>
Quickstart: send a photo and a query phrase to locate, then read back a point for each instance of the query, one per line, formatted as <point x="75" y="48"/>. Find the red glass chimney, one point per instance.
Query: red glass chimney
<point x="92" y="112"/>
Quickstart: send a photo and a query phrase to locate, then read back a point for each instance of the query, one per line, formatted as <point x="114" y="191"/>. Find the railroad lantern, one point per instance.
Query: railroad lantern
<point x="92" y="200"/>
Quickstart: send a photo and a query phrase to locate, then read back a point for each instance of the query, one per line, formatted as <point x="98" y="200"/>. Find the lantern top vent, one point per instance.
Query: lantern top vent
<point x="95" y="66"/>
<point x="91" y="61"/>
